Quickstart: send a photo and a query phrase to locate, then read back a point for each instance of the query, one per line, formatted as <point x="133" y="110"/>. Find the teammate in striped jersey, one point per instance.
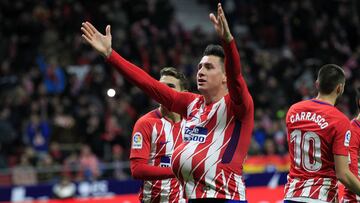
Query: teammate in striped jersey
<point x="318" y="139"/>
<point x="155" y="136"/>
<point x="218" y="123"/>
<point x="354" y="150"/>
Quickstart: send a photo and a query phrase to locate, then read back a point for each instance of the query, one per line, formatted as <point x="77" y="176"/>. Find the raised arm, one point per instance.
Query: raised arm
<point x="236" y="84"/>
<point x="156" y="90"/>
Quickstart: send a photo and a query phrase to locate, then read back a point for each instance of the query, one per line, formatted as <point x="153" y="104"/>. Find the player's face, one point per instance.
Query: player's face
<point x="171" y="82"/>
<point x="210" y="75"/>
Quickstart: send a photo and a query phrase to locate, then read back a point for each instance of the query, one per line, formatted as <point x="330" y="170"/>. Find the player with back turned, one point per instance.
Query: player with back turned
<point x="218" y="122"/>
<point x="318" y="139"/>
<point x="354" y="150"/>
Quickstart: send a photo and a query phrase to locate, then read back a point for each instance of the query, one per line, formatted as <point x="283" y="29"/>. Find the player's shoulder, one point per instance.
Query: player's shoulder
<point x="355" y="123"/>
<point x="355" y="132"/>
<point x="319" y="106"/>
<point x="336" y="114"/>
<point x="299" y="104"/>
<point x="150" y="117"/>
<point x="189" y="96"/>
<point x="355" y="126"/>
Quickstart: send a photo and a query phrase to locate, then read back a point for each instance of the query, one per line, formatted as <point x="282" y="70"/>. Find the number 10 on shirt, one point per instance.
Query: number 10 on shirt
<point x="307" y="150"/>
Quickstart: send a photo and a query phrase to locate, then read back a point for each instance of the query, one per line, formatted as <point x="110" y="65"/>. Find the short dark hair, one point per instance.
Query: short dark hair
<point x="215" y="50"/>
<point x="329" y="76"/>
<point x="357" y="90"/>
<point x="171" y="71"/>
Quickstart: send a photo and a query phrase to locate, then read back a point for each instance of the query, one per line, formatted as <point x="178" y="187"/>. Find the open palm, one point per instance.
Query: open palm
<point x="102" y="43"/>
<point x="220" y="24"/>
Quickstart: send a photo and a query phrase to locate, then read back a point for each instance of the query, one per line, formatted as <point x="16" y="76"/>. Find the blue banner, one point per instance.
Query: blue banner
<point x="115" y="187"/>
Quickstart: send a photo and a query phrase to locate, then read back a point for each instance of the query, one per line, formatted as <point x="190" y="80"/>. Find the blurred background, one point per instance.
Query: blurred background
<point x="66" y="117"/>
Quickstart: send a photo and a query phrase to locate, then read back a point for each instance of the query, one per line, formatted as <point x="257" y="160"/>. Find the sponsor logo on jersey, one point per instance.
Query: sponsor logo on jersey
<point x="347" y="138"/>
<point x="137" y="141"/>
<point x="195" y="134"/>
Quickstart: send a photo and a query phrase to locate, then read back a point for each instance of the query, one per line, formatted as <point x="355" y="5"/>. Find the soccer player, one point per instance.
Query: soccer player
<point x="354" y="150"/>
<point x="154" y="138"/>
<point x="218" y="122"/>
<point x="318" y="139"/>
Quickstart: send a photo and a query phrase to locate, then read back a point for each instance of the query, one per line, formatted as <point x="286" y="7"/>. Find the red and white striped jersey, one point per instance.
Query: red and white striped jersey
<point x="316" y="132"/>
<point x="154" y="139"/>
<point x="209" y="163"/>
<point x="354" y="150"/>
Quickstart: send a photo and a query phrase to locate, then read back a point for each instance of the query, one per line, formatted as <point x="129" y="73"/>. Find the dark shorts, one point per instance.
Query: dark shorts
<point x="213" y="200"/>
<point x="290" y="201"/>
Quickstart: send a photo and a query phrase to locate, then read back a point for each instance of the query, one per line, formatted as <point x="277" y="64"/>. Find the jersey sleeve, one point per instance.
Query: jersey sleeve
<point x="155" y="89"/>
<point x="239" y="94"/>
<point x="183" y="100"/>
<point x="142" y="171"/>
<point x="354" y="150"/>
<point x="141" y="139"/>
<point x="342" y="137"/>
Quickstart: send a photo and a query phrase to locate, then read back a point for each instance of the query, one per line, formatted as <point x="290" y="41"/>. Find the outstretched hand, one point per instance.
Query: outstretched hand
<point x="102" y="43"/>
<point x="220" y="24"/>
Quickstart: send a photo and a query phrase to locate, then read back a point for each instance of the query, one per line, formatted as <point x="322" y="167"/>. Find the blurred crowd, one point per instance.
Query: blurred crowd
<point x="56" y="116"/>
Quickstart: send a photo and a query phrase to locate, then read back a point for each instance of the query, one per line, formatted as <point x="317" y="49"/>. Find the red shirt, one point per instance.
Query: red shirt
<point x="154" y="139"/>
<point x="209" y="165"/>
<point x="354" y="159"/>
<point x="316" y="132"/>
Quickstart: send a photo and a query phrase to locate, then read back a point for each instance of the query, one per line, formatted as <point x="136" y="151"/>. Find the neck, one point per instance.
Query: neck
<point x="174" y="117"/>
<point x="327" y="98"/>
<point x="358" y="117"/>
<point x="211" y="97"/>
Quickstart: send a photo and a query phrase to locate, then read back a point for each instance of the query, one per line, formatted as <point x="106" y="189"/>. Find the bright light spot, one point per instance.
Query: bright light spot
<point x="111" y="92"/>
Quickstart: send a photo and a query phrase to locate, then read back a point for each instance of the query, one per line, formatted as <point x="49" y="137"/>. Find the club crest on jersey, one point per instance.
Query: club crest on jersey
<point x="347" y="138"/>
<point x="195" y="134"/>
<point x="137" y="141"/>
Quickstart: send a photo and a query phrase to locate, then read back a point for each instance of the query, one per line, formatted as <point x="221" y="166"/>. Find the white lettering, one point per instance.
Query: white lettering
<point x="313" y="117"/>
<point x="292" y="119"/>
<point x="302" y="115"/>
<point x="309" y="116"/>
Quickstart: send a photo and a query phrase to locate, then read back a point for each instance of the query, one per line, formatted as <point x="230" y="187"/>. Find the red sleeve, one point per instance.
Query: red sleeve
<point x="353" y="153"/>
<point x="238" y="91"/>
<point x="342" y="137"/>
<point x="141" y="139"/>
<point x="354" y="150"/>
<point x="155" y="89"/>
<point x="141" y="170"/>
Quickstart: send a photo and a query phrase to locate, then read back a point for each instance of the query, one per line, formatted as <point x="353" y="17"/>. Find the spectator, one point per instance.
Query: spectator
<point x="89" y="164"/>
<point x="118" y="161"/>
<point x="47" y="169"/>
<point x="24" y="173"/>
<point x="72" y="170"/>
<point x="38" y="134"/>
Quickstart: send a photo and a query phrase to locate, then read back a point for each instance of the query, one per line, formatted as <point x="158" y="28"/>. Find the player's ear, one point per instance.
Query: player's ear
<point x="339" y="89"/>
<point x="317" y="84"/>
<point x="224" y="80"/>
